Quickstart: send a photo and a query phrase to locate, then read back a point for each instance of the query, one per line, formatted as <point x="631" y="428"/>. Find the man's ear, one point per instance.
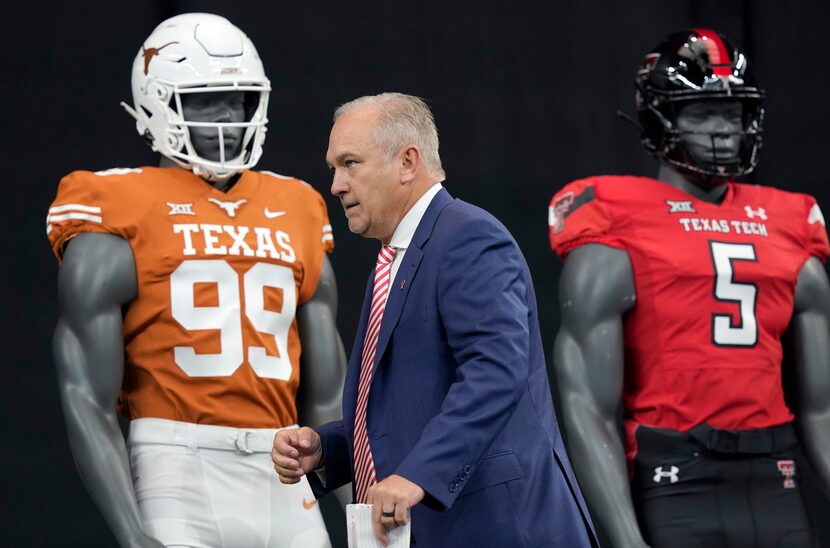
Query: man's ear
<point x="410" y="163"/>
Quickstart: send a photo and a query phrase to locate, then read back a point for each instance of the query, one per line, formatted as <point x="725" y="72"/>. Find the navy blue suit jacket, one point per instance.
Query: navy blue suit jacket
<point x="460" y="402"/>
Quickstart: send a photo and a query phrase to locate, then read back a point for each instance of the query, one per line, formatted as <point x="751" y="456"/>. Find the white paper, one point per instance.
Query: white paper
<point x="361" y="530"/>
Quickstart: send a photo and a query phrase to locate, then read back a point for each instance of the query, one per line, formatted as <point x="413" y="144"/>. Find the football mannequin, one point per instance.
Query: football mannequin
<point x="184" y="292"/>
<point x="674" y="296"/>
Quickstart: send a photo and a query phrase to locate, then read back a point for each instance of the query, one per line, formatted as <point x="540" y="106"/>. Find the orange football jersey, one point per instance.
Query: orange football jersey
<point x="211" y="335"/>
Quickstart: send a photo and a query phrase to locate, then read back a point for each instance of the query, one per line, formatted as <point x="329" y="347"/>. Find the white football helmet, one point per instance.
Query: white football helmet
<point x="197" y="53"/>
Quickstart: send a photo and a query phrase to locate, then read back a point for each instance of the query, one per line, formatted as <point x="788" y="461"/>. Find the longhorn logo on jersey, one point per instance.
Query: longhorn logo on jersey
<point x="229" y="207"/>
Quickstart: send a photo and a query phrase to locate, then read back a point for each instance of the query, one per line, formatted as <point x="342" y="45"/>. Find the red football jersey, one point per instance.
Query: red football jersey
<point x="715" y="285"/>
<point x="211" y="336"/>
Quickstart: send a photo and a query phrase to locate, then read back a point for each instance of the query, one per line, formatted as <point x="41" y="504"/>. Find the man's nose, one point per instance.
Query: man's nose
<point x="338" y="183"/>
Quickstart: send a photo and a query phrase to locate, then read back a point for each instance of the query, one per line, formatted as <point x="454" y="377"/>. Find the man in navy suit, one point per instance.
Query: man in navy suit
<point x="446" y="406"/>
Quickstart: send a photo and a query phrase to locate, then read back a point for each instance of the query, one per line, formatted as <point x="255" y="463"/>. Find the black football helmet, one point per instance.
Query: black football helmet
<point x="694" y="65"/>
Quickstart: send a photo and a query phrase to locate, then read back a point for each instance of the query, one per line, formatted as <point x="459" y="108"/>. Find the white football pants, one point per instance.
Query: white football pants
<point x="215" y="487"/>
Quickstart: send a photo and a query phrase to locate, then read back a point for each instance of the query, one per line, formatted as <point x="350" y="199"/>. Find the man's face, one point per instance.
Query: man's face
<point x="717" y="124"/>
<point x="221" y="106"/>
<point x="368" y="186"/>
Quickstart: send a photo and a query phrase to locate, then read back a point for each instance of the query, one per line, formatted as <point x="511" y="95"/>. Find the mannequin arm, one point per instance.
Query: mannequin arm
<point x="595" y="289"/>
<point x="811" y="330"/>
<point x="323" y="359"/>
<point x="96" y="278"/>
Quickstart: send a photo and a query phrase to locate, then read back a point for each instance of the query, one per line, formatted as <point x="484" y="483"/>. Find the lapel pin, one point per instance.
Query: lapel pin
<point x="403" y="284"/>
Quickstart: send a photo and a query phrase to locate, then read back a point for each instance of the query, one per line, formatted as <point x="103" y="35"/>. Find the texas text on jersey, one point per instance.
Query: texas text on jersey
<point x="211" y="336"/>
<point x="714" y="292"/>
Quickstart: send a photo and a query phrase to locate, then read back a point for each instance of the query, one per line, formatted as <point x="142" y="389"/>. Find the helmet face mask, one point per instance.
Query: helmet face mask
<point x="691" y="67"/>
<point x="200" y="54"/>
<point x="220" y="106"/>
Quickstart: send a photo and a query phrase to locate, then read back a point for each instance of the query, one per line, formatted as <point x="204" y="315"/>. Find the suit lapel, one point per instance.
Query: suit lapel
<point x="408" y="269"/>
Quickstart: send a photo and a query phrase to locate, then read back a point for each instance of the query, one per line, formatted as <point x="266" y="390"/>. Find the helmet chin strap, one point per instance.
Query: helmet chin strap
<point x="209" y="174"/>
<point x="214" y="175"/>
<point x="705" y="172"/>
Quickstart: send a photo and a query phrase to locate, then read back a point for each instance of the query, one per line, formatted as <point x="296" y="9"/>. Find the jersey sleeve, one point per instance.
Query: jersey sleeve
<point x="816" y="244"/>
<point x="576" y="216"/>
<point x="322" y="240"/>
<point x="80" y="206"/>
<point x="326" y="235"/>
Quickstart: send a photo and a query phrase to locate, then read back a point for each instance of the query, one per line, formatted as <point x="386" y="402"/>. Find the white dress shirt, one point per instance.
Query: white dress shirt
<point x="403" y="234"/>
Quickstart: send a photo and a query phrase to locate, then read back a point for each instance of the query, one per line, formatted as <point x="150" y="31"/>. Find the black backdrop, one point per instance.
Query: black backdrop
<point x="524" y="94"/>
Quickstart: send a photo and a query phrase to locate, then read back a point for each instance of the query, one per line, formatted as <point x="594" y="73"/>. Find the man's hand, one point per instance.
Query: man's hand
<point x="391" y="500"/>
<point x="296" y="452"/>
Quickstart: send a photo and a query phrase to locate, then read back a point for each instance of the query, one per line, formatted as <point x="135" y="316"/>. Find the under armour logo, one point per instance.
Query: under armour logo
<point x="229" y="207"/>
<point x="787" y="469"/>
<point x="659" y="474"/>
<point x="180" y="209"/>
<point x="752" y="213"/>
<point x="149" y="53"/>
<point x="815" y="215"/>
<point x="680" y="207"/>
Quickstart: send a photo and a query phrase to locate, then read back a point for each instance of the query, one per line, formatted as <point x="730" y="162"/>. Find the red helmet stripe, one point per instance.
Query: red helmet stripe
<point x="718" y="54"/>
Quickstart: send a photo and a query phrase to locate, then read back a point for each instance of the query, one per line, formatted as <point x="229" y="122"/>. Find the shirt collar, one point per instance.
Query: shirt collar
<point x="406" y="228"/>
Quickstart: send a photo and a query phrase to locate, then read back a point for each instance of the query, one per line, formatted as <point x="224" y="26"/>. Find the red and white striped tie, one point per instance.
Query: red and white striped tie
<point x="364" y="465"/>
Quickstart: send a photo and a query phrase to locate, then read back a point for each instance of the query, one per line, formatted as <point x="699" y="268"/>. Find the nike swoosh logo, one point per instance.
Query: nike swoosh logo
<point x="273" y="214"/>
<point x="308" y="505"/>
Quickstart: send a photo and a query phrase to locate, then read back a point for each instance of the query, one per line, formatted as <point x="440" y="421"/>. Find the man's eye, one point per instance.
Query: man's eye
<point x="350" y="163"/>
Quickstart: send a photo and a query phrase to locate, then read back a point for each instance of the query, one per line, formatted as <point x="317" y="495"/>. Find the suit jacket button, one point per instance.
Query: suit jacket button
<point x="453" y="488"/>
<point x="468" y="469"/>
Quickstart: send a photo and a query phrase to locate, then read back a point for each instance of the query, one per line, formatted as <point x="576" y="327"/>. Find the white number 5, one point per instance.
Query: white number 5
<point x="226" y="317"/>
<point x="725" y="332"/>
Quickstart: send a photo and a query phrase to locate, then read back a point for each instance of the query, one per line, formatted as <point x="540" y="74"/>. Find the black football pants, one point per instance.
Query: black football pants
<point x="719" y="489"/>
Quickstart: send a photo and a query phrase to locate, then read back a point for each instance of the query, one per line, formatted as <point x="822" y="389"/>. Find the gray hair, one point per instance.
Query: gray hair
<point x="403" y="120"/>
